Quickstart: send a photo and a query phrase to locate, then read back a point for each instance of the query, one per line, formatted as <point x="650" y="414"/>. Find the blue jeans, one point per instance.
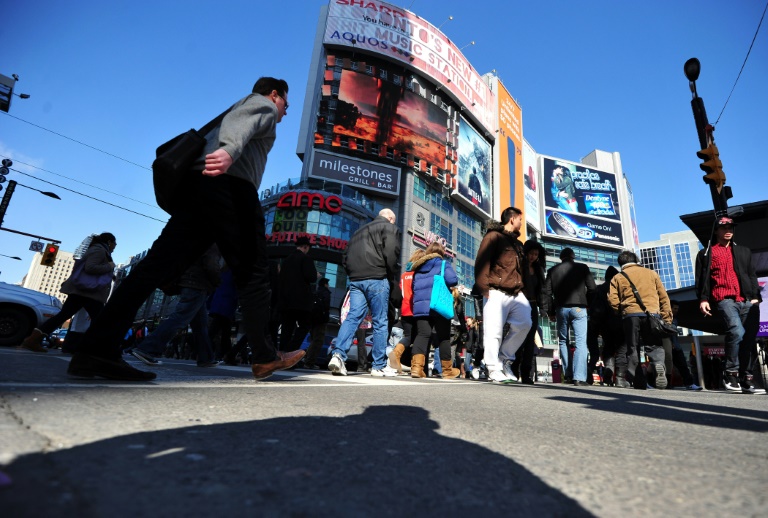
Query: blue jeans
<point x="577" y="319"/>
<point x="373" y="295"/>
<point x="190" y="309"/>
<point x="735" y="314"/>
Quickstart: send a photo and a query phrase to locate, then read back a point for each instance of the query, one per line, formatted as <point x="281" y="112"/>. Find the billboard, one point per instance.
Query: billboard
<point x="510" y="153"/>
<point x="370" y="110"/>
<point x="474" y="167"/>
<point x="357" y="173"/>
<point x="583" y="228"/>
<point x="575" y="188"/>
<point x="531" y="187"/>
<point x="397" y="34"/>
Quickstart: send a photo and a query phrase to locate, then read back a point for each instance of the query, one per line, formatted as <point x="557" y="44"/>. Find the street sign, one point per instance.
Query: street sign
<point x="36" y="246"/>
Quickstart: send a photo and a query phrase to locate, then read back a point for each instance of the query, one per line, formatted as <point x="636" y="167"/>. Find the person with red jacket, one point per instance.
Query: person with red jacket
<point x="406" y="312"/>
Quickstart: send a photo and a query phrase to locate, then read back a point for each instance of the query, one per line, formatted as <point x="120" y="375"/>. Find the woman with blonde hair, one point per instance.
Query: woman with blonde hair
<point x="428" y="321"/>
<point x="406" y="312"/>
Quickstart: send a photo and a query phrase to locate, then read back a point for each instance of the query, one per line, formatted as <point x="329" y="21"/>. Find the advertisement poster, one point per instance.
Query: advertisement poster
<point x="632" y="219"/>
<point x="474" y="168"/>
<point x="763" y="283"/>
<point x="582" y="228"/>
<point x="581" y="190"/>
<point x="398" y="34"/>
<point x="531" y="186"/>
<point x="371" y="110"/>
<point x="510" y="153"/>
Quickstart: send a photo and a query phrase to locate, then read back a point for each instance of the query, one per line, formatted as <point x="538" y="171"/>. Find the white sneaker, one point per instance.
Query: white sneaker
<point x="507" y="370"/>
<point x="497" y="377"/>
<point x="336" y="366"/>
<point x="386" y="372"/>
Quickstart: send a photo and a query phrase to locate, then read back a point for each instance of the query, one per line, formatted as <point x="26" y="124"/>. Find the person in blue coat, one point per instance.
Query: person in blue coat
<point x="426" y="320"/>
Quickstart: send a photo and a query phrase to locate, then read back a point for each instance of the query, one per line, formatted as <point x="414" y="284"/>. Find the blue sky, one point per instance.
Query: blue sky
<point x="126" y="76"/>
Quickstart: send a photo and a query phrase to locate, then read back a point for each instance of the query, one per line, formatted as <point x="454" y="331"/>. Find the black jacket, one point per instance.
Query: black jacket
<point x="322" y="306"/>
<point x="297" y="274"/>
<point x="205" y="273"/>
<point x="742" y="263"/>
<point x="568" y="285"/>
<point x="373" y="252"/>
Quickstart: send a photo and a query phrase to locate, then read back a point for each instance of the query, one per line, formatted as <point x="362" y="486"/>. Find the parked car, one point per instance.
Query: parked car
<point x="22" y="310"/>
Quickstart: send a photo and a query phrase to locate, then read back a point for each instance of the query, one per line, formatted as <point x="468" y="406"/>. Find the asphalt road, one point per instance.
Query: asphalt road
<point x="213" y="442"/>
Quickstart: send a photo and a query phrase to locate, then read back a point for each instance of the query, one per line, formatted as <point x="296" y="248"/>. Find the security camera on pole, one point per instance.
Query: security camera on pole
<point x="712" y="165"/>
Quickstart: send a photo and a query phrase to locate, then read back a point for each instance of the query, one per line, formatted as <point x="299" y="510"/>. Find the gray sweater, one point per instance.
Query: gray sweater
<point x="247" y="133"/>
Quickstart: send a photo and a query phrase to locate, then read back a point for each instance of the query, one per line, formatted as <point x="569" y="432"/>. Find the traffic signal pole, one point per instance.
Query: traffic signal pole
<point x="720" y="193"/>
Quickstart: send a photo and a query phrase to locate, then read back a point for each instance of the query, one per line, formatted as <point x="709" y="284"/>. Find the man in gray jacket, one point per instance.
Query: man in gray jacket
<point x="217" y="203"/>
<point x="372" y="263"/>
<point x="567" y="293"/>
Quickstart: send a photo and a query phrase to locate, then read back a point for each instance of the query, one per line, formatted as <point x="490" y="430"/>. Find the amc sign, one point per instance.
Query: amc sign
<point x="295" y="199"/>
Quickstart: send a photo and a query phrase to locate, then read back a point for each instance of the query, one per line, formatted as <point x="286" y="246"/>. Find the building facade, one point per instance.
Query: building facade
<point x="673" y="257"/>
<point x="48" y="279"/>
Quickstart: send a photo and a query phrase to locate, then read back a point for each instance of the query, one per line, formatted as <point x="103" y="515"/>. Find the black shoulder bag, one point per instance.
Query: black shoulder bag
<point x="656" y="325"/>
<point x="174" y="160"/>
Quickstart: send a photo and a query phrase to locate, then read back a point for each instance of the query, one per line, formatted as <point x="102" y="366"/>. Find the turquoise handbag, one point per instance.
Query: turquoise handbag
<point x="441" y="301"/>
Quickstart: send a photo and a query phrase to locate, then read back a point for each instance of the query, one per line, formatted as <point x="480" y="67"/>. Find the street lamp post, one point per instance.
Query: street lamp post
<point x="705" y="130"/>
<point x="11" y="257"/>
<point x="9" y="192"/>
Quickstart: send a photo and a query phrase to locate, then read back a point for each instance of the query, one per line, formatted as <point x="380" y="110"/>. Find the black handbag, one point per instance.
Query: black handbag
<point x="656" y="325"/>
<point x="174" y="160"/>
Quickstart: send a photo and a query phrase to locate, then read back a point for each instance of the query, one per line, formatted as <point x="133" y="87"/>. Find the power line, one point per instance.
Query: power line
<point x="83" y="183"/>
<point x="86" y="196"/>
<point x="81" y="143"/>
<point x="743" y="64"/>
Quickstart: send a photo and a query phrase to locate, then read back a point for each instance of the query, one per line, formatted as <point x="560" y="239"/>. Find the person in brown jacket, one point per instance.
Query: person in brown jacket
<point x="499" y="274"/>
<point x="636" y="332"/>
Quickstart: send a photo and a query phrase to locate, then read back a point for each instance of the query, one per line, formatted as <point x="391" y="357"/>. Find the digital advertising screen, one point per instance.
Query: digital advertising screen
<point x="371" y="110"/>
<point x="578" y="189"/>
<point x="531" y="187"/>
<point x="474" y="166"/>
<point x="398" y="34"/>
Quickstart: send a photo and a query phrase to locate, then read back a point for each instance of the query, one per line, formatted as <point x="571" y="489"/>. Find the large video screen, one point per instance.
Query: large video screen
<point x="575" y="188"/>
<point x="474" y="167"/>
<point x="581" y="203"/>
<point x="374" y="111"/>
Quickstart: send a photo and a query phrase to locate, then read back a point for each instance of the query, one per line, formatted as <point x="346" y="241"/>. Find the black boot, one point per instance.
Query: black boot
<point x="621" y="378"/>
<point x="608" y="372"/>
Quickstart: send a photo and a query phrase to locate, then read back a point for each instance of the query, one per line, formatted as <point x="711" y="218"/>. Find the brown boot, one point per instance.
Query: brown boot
<point x="394" y="358"/>
<point x="449" y="372"/>
<point x="417" y="366"/>
<point x="34" y="342"/>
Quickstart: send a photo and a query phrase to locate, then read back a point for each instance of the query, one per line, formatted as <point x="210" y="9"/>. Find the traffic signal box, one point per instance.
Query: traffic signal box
<point x="712" y="166"/>
<point x="49" y="254"/>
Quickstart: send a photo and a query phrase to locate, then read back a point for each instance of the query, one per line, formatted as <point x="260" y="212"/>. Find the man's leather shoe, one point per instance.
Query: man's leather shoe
<point x="285" y="360"/>
<point x="87" y="366"/>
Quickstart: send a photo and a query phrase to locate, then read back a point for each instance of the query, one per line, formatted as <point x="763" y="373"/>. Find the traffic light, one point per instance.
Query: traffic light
<point x="49" y="254"/>
<point x="712" y="166"/>
<point x="6" y="164"/>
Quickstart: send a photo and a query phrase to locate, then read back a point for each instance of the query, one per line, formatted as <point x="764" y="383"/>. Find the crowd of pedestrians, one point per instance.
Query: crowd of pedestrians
<point x="212" y="255"/>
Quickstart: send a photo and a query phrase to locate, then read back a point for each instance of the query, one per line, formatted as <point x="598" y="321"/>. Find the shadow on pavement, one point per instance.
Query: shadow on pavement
<point x="387" y="461"/>
<point x="687" y="411"/>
